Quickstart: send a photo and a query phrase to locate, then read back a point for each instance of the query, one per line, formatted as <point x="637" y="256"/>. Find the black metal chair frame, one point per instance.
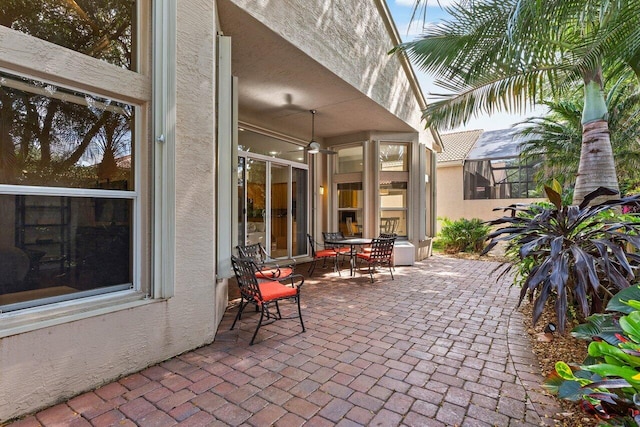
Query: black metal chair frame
<point x="344" y="252"/>
<point x="380" y="255"/>
<point x="265" y="295"/>
<point x="322" y="254"/>
<point x="268" y="268"/>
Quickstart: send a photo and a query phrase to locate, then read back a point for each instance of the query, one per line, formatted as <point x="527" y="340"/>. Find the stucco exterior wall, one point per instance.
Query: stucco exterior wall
<point x="44" y="366"/>
<point x="332" y="31"/>
<point x="451" y="203"/>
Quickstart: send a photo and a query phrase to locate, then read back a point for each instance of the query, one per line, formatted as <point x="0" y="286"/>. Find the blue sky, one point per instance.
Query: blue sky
<point x="401" y="11"/>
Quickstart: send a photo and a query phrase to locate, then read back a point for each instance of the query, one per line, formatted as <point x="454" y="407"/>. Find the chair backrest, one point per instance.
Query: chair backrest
<point x="312" y="245"/>
<point x="389" y="225"/>
<point x="382" y="248"/>
<point x="332" y="235"/>
<point x="388" y="235"/>
<point x="245" y="271"/>
<point x="255" y="252"/>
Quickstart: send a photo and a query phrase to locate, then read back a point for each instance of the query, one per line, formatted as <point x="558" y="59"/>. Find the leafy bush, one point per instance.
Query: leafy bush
<point x="607" y="384"/>
<point x="578" y="256"/>
<point x="463" y="235"/>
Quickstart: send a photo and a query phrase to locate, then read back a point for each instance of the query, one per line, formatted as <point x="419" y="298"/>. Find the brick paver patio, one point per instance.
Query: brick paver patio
<point x="442" y="345"/>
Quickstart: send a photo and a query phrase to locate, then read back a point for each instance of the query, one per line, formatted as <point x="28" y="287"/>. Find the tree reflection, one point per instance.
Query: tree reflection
<point x="99" y="28"/>
<point x="49" y="136"/>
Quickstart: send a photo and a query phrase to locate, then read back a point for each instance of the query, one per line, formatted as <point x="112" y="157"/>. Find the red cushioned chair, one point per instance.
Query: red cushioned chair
<point x="344" y="251"/>
<point x="322" y="254"/>
<point x="380" y="255"/>
<point x="268" y="268"/>
<point x="265" y="295"/>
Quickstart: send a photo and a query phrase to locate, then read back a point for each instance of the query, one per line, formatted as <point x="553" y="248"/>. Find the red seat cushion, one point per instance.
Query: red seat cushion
<point x="274" y="273"/>
<point x="274" y="290"/>
<point x="325" y="253"/>
<point x="365" y="255"/>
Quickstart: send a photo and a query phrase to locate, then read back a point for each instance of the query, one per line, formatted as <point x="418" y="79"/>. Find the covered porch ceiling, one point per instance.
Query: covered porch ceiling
<point x="279" y="84"/>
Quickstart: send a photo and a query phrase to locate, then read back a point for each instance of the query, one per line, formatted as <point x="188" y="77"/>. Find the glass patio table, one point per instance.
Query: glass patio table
<point x="352" y="243"/>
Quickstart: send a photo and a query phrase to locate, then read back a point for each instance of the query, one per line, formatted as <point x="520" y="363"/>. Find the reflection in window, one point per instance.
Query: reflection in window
<point x="54" y="248"/>
<point x="50" y="136"/>
<point x="499" y="179"/>
<point x="350" y="197"/>
<point x="258" y="143"/>
<point x="350" y="159"/>
<point x="102" y="29"/>
<point x="393" y="157"/>
<point x="393" y="208"/>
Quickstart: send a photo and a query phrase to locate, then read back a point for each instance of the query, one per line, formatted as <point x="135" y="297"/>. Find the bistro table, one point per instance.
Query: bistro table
<point x="352" y="243"/>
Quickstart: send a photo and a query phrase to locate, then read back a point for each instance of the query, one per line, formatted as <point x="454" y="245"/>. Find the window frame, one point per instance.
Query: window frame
<point x="395" y="176"/>
<point x="153" y="234"/>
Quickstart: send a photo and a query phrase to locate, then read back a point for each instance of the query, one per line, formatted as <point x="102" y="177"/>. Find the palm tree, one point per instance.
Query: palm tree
<point x="554" y="140"/>
<point x="503" y="54"/>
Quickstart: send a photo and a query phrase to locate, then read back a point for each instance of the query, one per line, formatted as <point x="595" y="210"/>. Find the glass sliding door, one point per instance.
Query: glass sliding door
<point x="256" y="201"/>
<point x="242" y="205"/>
<point x="279" y="210"/>
<point x="272" y="205"/>
<point x="300" y="209"/>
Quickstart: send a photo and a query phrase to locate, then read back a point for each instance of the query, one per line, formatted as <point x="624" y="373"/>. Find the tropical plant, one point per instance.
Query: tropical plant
<point x="463" y="235"/>
<point x="503" y="54"/>
<point x="554" y="140"/>
<point x="580" y="256"/>
<point x="607" y="383"/>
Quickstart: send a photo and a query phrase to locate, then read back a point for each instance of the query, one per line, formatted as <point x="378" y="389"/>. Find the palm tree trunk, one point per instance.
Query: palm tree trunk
<point x="597" y="167"/>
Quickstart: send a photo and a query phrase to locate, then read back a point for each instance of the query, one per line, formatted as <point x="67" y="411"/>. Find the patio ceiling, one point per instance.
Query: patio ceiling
<point x="279" y="84"/>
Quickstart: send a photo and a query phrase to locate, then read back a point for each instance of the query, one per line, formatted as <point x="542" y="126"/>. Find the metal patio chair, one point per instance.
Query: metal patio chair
<point x="322" y="254"/>
<point x="265" y="295"/>
<point x="343" y="251"/>
<point x="380" y="255"/>
<point x="268" y="268"/>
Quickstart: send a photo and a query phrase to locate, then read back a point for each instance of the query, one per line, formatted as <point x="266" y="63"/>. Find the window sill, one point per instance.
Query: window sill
<point x="19" y="322"/>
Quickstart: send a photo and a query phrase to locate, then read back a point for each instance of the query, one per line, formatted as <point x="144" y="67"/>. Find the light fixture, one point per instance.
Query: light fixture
<point x="314" y="148"/>
<point x="321" y="190"/>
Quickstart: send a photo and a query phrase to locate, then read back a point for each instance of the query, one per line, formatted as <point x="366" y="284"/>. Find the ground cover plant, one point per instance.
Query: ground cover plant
<point x="578" y="256"/>
<point x="607" y="383"/>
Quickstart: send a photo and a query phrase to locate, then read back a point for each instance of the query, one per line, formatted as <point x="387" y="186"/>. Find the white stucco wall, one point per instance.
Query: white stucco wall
<point x="44" y="366"/>
<point x="350" y="39"/>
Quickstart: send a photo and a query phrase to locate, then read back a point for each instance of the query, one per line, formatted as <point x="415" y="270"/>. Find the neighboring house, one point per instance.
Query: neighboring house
<point x="140" y="144"/>
<point x="479" y="171"/>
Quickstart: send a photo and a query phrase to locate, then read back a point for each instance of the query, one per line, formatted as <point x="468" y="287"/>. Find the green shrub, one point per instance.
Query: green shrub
<point x="463" y="235"/>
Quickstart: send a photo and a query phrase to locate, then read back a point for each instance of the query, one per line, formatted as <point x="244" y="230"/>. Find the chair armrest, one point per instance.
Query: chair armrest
<point x="292" y="280"/>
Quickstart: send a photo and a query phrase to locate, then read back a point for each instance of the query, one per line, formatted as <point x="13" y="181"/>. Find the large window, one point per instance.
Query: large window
<point x="74" y="173"/>
<point x="350" y="204"/>
<point x="393" y="162"/>
<point x="103" y="29"/>
<point x="393" y="157"/>
<point x="349" y="165"/>
<point x="393" y="208"/>
<point x="350" y="160"/>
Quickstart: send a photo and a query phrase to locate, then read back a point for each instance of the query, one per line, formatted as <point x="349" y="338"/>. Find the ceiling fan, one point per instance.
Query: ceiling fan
<point x="314" y="147"/>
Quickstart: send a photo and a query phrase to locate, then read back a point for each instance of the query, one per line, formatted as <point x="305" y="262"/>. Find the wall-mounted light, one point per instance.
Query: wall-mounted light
<point x="321" y="190"/>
